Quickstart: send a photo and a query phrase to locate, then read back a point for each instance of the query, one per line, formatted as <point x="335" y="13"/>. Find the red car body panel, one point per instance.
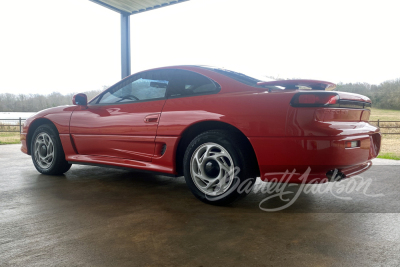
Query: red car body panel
<point x="283" y="137"/>
<point x="120" y="129"/>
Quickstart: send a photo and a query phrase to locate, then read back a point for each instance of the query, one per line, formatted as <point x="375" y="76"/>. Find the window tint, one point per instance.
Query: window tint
<point x="149" y="85"/>
<point x="240" y="77"/>
<point x="187" y="83"/>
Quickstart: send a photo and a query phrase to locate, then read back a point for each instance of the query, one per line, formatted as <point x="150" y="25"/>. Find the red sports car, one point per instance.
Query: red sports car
<point x="216" y="127"/>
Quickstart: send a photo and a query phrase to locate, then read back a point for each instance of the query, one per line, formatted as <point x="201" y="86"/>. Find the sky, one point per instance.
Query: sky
<point x="74" y="45"/>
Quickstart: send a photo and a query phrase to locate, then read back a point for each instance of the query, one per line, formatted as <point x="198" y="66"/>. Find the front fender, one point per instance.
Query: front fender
<point x="58" y="116"/>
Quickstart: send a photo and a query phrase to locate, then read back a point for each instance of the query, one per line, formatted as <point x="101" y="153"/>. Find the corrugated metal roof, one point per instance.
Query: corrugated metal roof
<point x="135" y="6"/>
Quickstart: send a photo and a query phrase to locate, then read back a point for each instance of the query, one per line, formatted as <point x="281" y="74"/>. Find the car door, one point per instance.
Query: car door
<point x="122" y="121"/>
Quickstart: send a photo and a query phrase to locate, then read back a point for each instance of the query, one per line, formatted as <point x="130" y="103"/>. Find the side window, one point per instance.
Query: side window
<point x="188" y="83"/>
<point x="150" y="85"/>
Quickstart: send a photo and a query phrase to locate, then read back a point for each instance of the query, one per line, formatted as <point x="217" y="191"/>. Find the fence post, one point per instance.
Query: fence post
<point x="378" y="123"/>
<point x="20" y="125"/>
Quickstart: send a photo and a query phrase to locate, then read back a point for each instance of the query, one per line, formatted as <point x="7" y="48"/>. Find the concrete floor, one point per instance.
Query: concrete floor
<point x="95" y="216"/>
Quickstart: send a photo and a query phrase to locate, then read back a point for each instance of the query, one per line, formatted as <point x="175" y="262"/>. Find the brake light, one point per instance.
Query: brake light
<point x="316" y="99"/>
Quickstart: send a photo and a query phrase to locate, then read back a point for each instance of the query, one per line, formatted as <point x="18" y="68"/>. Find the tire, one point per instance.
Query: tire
<point x="47" y="152"/>
<point x="218" y="167"/>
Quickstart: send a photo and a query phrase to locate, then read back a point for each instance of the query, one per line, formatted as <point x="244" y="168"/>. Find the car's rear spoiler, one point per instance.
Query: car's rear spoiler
<point x="295" y="84"/>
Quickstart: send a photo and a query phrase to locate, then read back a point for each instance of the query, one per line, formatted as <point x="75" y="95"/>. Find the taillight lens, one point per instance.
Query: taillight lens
<point x="315" y="99"/>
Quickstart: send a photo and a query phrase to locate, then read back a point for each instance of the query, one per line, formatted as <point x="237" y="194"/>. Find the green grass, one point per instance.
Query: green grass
<point x="390" y="147"/>
<point x="9" y="134"/>
<point x="389" y="156"/>
<point x="9" y="138"/>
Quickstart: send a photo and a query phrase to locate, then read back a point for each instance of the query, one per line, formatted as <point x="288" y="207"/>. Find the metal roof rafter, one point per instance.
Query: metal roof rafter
<point x="138" y="6"/>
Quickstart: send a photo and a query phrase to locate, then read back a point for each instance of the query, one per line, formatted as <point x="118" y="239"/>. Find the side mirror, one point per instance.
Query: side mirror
<point x="79" y="99"/>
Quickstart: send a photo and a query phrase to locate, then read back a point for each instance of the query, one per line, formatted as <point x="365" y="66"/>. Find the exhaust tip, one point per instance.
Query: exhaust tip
<point x="335" y="175"/>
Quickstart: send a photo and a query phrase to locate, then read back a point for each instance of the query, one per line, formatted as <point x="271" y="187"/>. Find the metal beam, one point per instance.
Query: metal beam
<point x="158" y="6"/>
<point x="135" y="9"/>
<point x="125" y="26"/>
<point x="109" y="7"/>
<point x="125" y="46"/>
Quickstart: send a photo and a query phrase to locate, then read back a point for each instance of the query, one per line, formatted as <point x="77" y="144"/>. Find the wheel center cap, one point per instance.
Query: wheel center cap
<point x="43" y="151"/>
<point x="212" y="169"/>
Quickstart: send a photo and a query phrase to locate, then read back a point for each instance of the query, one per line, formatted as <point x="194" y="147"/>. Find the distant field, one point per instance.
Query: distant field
<point x="9" y="138"/>
<point x="384" y="115"/>
<point x="390" y="143"/>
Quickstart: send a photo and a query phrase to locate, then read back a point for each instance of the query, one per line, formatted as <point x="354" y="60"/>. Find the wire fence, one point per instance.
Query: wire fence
<point x="15" y="126"/>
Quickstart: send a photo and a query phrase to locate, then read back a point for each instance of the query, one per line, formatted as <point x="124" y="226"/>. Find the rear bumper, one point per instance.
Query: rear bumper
<point x="277" y="155"/>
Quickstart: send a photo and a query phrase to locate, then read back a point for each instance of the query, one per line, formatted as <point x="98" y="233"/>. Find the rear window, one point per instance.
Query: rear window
<point x="240" y="77"/>
<point x="188" y="83"/>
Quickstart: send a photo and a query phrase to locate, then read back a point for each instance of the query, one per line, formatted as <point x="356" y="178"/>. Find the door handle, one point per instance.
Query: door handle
<point x="152" y="118"/>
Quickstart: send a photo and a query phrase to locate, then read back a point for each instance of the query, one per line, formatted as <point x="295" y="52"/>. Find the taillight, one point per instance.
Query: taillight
<point x="315" y="99"/>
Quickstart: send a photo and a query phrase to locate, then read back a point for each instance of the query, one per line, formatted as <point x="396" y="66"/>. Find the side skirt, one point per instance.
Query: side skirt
<point x="122" y="168"/>
<point x="111" y="162"/>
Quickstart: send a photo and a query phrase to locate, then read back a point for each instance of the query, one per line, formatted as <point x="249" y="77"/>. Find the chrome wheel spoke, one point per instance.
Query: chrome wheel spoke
<point x="48" y="158"/>
<point x="50" y="149"/>
<point x="201" y="177"/>
<point x="222" y="164"/>
<point x="213" y="182"/>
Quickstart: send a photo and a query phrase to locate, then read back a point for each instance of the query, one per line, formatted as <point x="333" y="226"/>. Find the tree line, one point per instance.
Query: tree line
<point x="385" y="95"/>
<point x="36" y="102"/>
